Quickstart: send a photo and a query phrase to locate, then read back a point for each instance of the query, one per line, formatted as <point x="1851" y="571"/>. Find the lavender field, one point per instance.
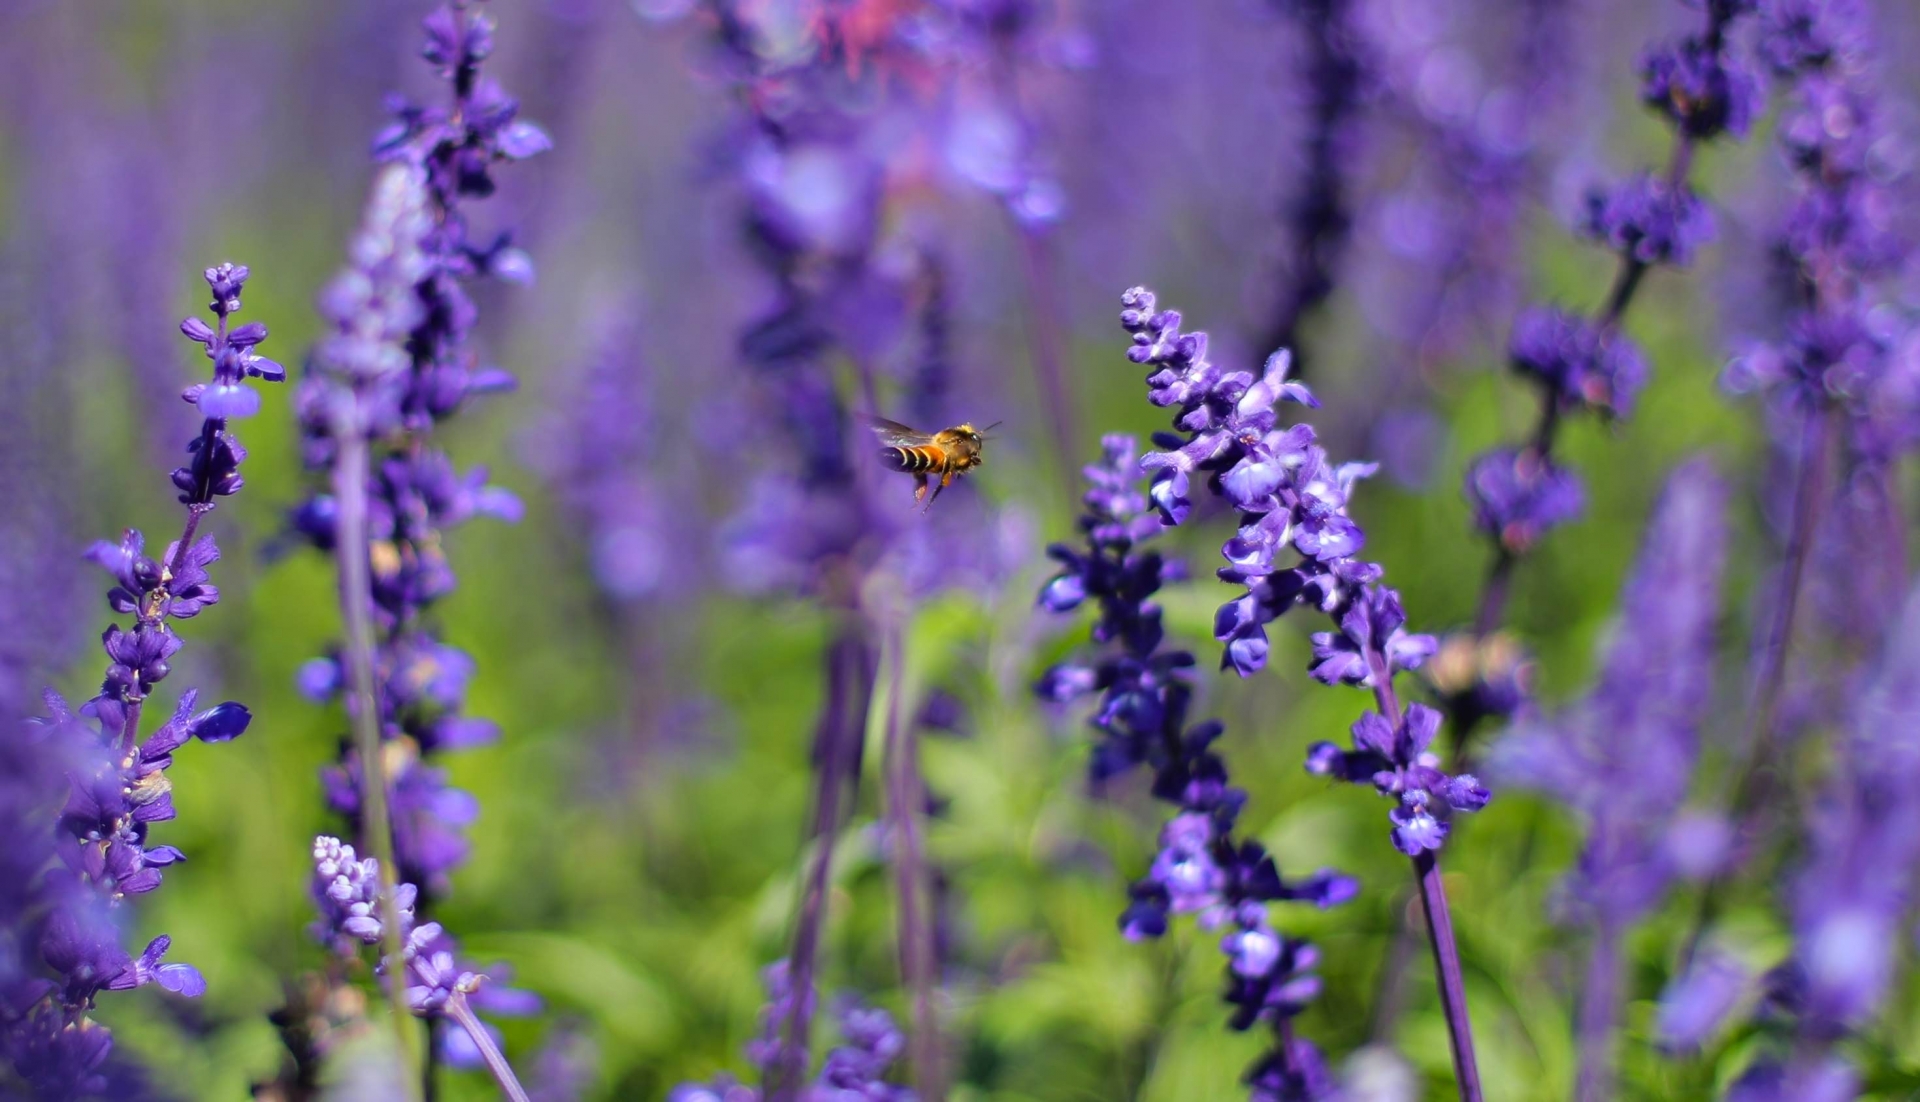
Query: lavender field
<point x="959" y="550"/>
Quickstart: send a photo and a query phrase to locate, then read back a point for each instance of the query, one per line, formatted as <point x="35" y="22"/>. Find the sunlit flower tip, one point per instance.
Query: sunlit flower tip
<point x="1415" y="829"/>
<point x="1274" y="387"/>
<point x="1252" y="951"/>
<point x="226" y="281"/>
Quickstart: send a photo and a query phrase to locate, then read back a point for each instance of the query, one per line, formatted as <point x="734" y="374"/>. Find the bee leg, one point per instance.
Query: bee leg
<point x="945" y="481"/>
<point x="919" y="488"/>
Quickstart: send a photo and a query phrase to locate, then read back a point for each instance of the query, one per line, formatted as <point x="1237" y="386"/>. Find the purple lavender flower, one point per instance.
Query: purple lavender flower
<point x="1578" y="362"/>
<point x="1518" y="496"/>
<point x="116" y="780"/>
<point x="1624" y="756"/>
<point x="1649" y="220"/>
<point x="1202" y="869"/>
<point x="396" y="363"/>
<point x="1704" y="91"/>
<point x="854" y="1069"/>
<point x="1289" y="497"/>
<point x="1336" y="81"/>
<point x="346" y="890"/>
<point x="1700" y="88"/>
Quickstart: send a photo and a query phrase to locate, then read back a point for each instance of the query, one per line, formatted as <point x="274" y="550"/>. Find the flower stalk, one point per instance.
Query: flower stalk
<point x="906" y="804"/>
<point x="351" y="557"/>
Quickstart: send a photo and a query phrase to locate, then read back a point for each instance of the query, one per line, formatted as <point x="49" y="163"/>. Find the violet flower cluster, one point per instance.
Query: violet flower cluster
<point x="117" y="782"/>
<point x="854" y="1069"/>
<point x="397" y="364"/>
<point x="1851" y="902"/>
<point x="1623" y="756"/>
<point x="1291" y="503"/>
<point x="1519" y="493"/>
<point x="437" y="983"/>
<point x="1202" y="868"/>
<point x="1291" y="500"/>
<point x="1481" y="137"/>
<point x="1834" y="377"/>
<point x="811" y="215"/>
<point x="1336" y="80"/>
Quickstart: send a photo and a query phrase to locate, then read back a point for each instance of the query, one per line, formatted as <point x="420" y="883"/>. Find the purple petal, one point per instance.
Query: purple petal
<point x="181" y="979"/>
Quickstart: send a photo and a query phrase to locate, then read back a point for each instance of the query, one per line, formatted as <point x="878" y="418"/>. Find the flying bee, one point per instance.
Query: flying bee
<point x="948" y="453"/>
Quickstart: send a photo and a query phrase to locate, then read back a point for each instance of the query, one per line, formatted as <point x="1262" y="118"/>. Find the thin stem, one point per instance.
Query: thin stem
<point x="1446" y="960"/>
<point x="1493" y="598"/>
<point x="1756" y="778"/>
<point x="1491" y="609"/>
<point x="843" y="724"/>
<point x="1433" y="899"/>
<point x="1599" y="1007"/>
<point x="906" y="801"/>
<point x="356" y="611"/>
<point x="1808" y="499"/>
<point x="430" y="1067"/>
<point x="459" y="1011"/>
<point x="1390" y="992"/>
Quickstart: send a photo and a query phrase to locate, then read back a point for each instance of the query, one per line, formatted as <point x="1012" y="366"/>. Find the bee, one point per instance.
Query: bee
<point x="948" y="453"/>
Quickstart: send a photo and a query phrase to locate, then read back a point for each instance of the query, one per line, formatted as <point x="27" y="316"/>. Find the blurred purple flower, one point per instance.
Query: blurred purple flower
<point x="854" y="1069"/>
<point x="1519" y="496"/>
<point x="1649" y="220"/>
<point x="1698" y="1002"/>
<point x="1337" y="80"/>
<point x="1579" y="363"/>
<point x="398" y="361"/>
<point x="1700" y="88"/>
<point x="1624" y="756"/>
<point x="1704" y="91"/>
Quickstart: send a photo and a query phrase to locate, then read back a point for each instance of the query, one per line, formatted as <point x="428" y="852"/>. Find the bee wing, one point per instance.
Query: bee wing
<point x="896" y="435"/>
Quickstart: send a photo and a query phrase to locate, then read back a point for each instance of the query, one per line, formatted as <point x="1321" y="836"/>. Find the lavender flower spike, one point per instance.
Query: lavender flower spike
<point x="855" y="1069"/>
<point x="116" y="780"/>
<point x="1703" y="89"/>
<point x="346" y="890"/>
<point x="1203" y="870"/>
<point x="1292" y="500"/>
<point x="1851" y="902"/>
<point x="397" y="363"/>
<point x="1624" y="756"/>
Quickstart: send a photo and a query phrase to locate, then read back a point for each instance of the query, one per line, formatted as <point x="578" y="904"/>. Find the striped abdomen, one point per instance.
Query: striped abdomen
<point x="914" y="460"/>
